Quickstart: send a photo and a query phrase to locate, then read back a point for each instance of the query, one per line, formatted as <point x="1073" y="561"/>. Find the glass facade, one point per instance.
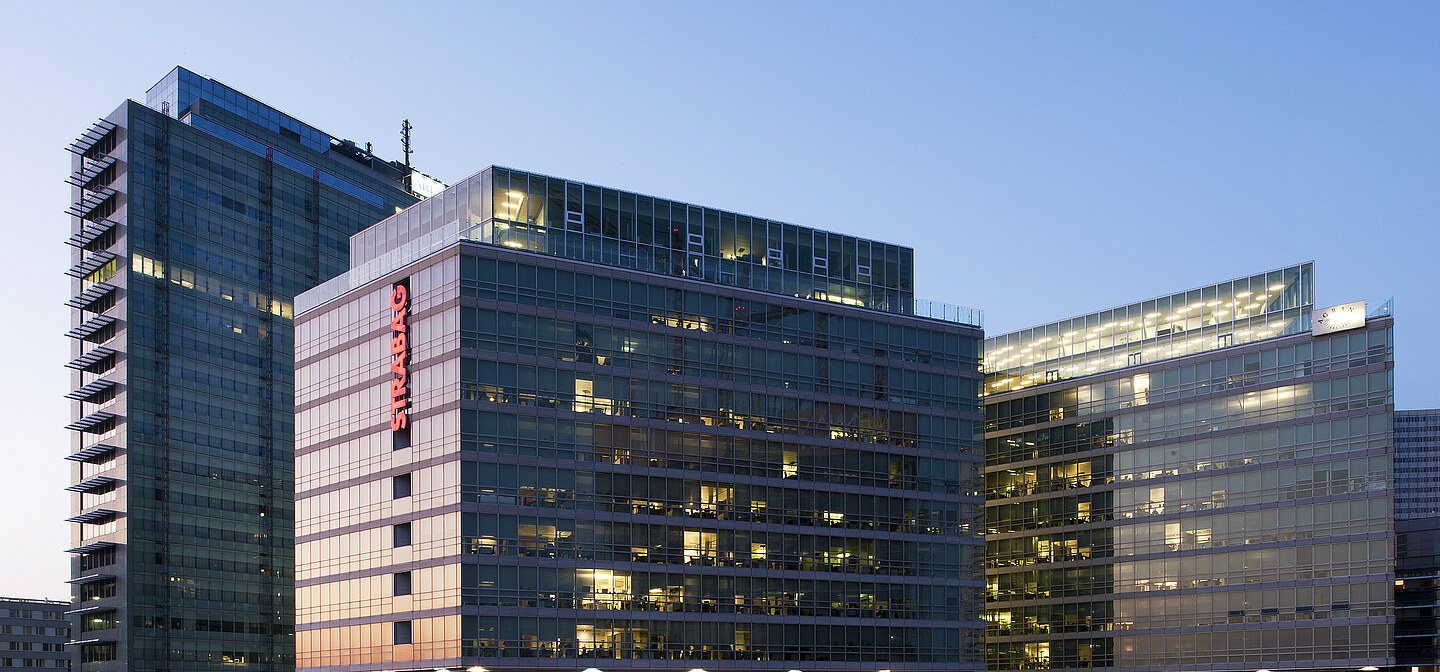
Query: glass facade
<point x="188" y="248"/>
<point x="1177" y="499"/>
<point x="614" y="467"/>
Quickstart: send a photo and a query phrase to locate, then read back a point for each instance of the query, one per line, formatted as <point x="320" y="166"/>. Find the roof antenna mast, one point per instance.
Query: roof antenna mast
<point x="405" y="129"/>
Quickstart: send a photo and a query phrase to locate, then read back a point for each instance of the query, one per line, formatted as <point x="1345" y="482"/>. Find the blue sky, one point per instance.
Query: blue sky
<point x="1044" y="159"/>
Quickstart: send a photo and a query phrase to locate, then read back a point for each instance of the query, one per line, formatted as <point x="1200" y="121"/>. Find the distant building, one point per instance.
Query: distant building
<point x="1199" y="481"/>
<point x="1417" y="464"/>
<point x="33" y="633"/>
<point x="197" y="216"/>
<point x="546" y="425"/>
<point x="1417" y="554"/>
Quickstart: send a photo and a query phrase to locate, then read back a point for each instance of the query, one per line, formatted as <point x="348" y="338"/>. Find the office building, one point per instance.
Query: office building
<point x="1196" y="481"/>
<point x="1417" y="593"/>
<point x="1417" y="548"/>
<point x="1417" y="464"/>
<point x="545" y="425"/>
<point x="33" y="633"/>
<point x="197" y="216"/>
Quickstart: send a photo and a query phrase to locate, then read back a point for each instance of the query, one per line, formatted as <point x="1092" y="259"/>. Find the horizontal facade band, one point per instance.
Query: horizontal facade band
<point x="86" y="610"/>
<point x="90" y="578"/>
<point x="84" y="642"/>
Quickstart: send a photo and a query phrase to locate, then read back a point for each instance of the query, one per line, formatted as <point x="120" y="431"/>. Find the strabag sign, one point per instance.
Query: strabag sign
<point x="1338" y="318"/>
<point x="400" y="356"/>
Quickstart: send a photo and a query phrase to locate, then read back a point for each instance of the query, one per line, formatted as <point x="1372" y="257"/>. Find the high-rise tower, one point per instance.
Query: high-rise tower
<point x="197" y="216"/>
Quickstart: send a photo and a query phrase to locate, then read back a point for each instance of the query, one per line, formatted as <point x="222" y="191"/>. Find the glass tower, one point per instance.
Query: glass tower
<point x="197" y="216"/>
<point x="549" y="425"/>
<point x="1197" y="481"/>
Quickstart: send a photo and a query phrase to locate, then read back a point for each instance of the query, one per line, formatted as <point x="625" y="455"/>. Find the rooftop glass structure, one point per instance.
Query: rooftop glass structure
<point x="563" y="218"/>
<point x="1206" y="318"/>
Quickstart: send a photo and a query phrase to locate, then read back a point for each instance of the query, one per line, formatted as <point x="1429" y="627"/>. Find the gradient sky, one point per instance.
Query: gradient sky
<point x="1045" y="160"/>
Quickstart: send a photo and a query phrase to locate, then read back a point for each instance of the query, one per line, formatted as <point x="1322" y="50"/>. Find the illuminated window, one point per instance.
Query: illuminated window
<point x="713" y="496"/>
<point x="587" y="402"/>
<point x="147" y="266"/>
<point x="104" y="272"/>
<point x="700" y="546"/>
<point x="790" y="465"/>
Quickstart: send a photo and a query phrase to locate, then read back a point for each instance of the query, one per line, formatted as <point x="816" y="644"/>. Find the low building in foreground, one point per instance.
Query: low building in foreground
<point x="1196" y="481"/>
<point x="545" y="425"/>
<point x="33" y="633"/>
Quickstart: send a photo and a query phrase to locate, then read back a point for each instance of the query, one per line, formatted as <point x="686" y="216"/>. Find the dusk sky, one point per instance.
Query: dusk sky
<point x="1044" y="159"/>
